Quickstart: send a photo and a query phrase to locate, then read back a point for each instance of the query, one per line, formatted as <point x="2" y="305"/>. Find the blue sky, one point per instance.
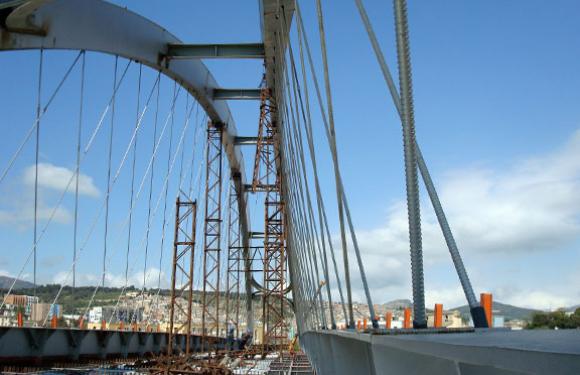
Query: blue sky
<point x="496" y="93"/>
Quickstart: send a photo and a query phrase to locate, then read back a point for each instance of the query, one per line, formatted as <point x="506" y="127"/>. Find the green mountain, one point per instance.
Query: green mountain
<point x="398" y="304"/>
<point x="6" y="283"/>
<point x="509" y="312"/>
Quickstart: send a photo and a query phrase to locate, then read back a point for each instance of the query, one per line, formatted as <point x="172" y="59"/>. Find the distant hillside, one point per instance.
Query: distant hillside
<point x="398" y="304"/>
<point x="509" y="312"/>
<point x="75" y="300"/>
<point x="6" y="283"/>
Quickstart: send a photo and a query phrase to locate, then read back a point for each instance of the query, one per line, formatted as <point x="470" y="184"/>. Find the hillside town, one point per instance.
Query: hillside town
<point x="149" y="311"/>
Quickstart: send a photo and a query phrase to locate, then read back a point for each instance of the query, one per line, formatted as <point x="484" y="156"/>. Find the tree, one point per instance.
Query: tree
<point x="557" y="319"/>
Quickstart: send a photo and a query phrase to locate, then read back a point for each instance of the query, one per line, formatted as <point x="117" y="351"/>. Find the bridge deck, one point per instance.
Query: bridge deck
<point x="476" y="352"/>
<point x="45" y="345"/>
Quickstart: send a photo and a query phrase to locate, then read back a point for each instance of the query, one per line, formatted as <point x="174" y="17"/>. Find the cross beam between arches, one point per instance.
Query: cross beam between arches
<point x="216" y="51"/>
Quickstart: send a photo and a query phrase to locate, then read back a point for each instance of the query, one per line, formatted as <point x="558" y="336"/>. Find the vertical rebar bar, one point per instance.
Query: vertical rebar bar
<point x="406" y="87"/>
<point x="476" y="313"/>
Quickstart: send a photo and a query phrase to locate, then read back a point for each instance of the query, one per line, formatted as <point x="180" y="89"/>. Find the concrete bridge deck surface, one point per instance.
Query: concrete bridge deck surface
<point x="476" y="352"/>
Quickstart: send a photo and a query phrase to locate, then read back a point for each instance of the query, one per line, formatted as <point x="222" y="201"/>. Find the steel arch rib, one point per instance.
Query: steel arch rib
<point x="96" y="25"/>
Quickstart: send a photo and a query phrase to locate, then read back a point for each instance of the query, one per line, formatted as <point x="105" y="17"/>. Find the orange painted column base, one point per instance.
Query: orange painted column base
<point x="486" y="301"/>
<point x="407" y="318"/>
<point x="438" y="316"/>
<point x="388" y="319"/>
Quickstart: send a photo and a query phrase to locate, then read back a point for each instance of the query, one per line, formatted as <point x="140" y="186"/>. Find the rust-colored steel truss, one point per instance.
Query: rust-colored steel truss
<point x="267" y="178"/>
<point x="234" y="263"/>
<point x="210" y="317"/>
<point x="183" y="252"/>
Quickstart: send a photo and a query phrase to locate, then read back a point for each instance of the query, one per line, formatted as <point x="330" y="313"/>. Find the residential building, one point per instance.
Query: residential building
<point x="451" y="319"/>
<point x="21" y="300"/>
<point x="42" y="311"/>
<point x="119" y="314"/>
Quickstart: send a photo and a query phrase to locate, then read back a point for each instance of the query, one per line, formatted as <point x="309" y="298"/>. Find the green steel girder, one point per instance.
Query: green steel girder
<point x="216" y="51"/>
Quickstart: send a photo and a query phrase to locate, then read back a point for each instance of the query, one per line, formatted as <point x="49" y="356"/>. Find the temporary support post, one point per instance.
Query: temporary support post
<point x="388" y="319"/>
<point x="407" y="318"/>
<point x="269" y="179"/>
<point x="182" y="268"/>
<point x="234" y="264"/>
<point x="212" y="233"/>
<point x="486" y="301"/>
<point x="438" y="316"/>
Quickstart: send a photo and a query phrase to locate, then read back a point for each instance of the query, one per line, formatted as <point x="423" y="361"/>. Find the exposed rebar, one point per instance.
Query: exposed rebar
<point x="421" y="164"/>
<point x="413" y="207"/>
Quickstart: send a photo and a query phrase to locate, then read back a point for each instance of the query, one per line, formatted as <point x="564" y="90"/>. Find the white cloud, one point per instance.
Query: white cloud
<point x="447" y="295"/>
<point x="19" y="212"/>
<point x="548" y="299"/>
<point x="57" y="178"/>
<point x="114" y="279"/>
<point x="536" y="299"/>
<point x="531" y="206"/>
<point x="23" y="217"/>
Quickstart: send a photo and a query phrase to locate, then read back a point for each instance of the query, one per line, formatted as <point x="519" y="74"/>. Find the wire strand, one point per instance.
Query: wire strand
<point x="36" y="155"/>
<point x="78" y="164"/>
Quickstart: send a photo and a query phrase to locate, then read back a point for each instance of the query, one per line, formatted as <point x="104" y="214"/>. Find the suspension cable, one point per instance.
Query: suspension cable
<point x="137" y="122"/>
<point x="106" y="110"/>
<point x="329" y="135"/>
<point x="154" y="211"/>
<point x="188" y="112"/>
<point x="294" y="144"/>
<point x="54" y="211"/>
<point x="113" y="181"/>
<point x="151" y="189"/>
<point x="78" y="164"/>
<point x="166" y="189"/>
<point x="335" y="159"/>
<point x="109" y="161"/>
<point x="36" y="154"/>
<point x="36" y="121"/>
<point x="298" y="136"/>
<point x="309" y="137"/>
<point x="166" y="180"/>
